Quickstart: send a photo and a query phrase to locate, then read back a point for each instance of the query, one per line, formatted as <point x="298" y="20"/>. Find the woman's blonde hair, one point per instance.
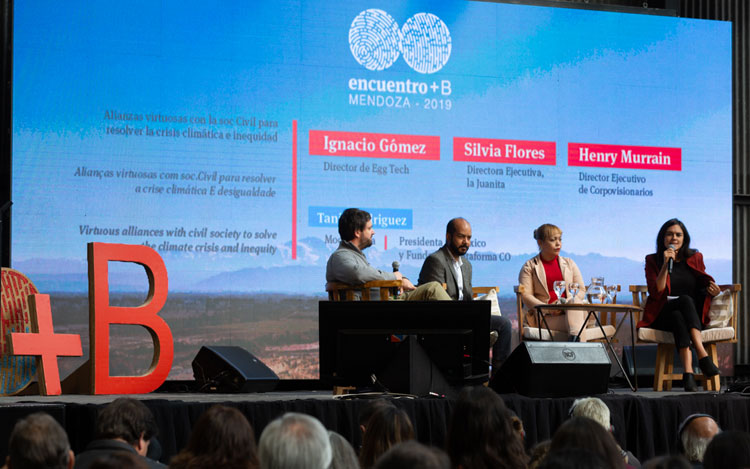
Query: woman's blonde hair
<point x="546" y="231"/>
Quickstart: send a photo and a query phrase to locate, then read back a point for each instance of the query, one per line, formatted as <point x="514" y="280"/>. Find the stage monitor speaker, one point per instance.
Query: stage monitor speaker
<point x="554" y="369"/>
<point x="411" y="371"/>
<point x="231" y="369"/>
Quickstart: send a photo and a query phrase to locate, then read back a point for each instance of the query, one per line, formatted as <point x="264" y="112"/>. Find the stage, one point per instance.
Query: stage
<point x="645" y="422"/>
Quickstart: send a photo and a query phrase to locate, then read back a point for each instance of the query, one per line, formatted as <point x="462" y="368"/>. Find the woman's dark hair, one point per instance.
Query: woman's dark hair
<point x="728" y="450"/>
<point x="684" y="252"/>
<point x="481" y="434"/>
<point x="388" y="426"/>
<point x="587" y="434"/>
<point x="222" y="437"/>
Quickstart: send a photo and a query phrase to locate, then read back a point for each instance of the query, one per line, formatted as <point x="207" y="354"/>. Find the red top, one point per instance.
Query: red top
<point x="553" y="273"/>
<point x="657" y="300"/>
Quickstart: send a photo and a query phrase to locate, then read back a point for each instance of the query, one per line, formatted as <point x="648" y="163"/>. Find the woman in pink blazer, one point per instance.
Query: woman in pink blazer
<point x="538" y="275"/>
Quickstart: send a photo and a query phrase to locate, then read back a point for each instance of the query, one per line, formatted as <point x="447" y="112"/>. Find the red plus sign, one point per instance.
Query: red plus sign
<point x="43" y="342"/>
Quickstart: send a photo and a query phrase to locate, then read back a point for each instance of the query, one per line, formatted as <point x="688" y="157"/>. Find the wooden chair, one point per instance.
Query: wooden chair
<point x="477" y="291"/>
<point x="388" y="290"/>
<point x="663" y="373"/>
<point x="528" y="331"/>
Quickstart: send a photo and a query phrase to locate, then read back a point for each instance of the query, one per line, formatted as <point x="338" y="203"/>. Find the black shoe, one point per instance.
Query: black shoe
<point x="574" y="338"/>
<point x="688" y="382"/>
<point x="707" y="367"/>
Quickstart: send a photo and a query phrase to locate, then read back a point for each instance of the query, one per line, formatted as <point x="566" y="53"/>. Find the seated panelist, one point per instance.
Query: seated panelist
<point x="679" y="297"/>
<point x="349" y="265"/>
<point x="448" y="266"/>
<point x="539" y="274"/>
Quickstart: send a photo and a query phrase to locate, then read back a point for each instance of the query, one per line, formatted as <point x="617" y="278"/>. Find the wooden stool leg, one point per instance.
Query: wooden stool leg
<point x="659" y="368"/>
<point x="668" y="366"/>
<point x="713" y="383"/>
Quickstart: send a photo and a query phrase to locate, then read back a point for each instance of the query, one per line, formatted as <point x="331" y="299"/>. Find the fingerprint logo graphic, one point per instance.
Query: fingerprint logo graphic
<point x="426" y="44"/>
<point x="375" y="39"/>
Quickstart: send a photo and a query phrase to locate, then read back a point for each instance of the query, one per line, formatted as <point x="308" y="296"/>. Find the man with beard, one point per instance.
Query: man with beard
<point x="348" y="263"/>
<point x="447" y="265"/>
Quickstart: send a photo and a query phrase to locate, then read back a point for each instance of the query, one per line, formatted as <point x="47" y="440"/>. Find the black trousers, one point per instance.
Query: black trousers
<point x="678" y="316"/>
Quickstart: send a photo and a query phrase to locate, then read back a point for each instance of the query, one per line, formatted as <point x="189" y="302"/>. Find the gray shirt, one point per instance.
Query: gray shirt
<point x="349" y="265"/>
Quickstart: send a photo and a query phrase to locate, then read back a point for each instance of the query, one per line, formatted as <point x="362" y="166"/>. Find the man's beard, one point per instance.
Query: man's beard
<point x="456" y="251"/>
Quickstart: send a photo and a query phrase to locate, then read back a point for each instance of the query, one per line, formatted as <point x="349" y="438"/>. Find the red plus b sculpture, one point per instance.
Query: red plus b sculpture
<point x="44" y="343"/>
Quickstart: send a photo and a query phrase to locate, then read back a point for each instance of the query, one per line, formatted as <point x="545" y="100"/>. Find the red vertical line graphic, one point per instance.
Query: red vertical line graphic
<point x="294" y="189"/>
<point x="385" y="237"/>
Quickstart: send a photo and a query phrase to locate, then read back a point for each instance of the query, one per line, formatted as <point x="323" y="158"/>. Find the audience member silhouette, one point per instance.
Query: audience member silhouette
<point x="586" y="434"/>
<point x="413" y="455"/>
<point x="695" y="433"/>
<point x="670" y="461"/>
<point x="387" y="426"/>
<point x="344" y="456"/>
<point x="222" y="437"/>
<point x="295" y="441"/>
<point x="125" y="424"/>
<point x="728" y="450"/>
<point x="39" y="442"/>
<point x="481" y="433"/>
<point x="119" y="460"/>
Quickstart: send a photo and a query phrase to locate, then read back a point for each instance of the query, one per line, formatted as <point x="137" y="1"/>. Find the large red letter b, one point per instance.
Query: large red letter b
<point x="102" y="315"/>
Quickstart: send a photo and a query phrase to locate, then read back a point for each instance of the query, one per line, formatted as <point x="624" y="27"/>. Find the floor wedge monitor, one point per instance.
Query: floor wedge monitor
<point x="231" y="369"/>
<point x="554" y="369"/>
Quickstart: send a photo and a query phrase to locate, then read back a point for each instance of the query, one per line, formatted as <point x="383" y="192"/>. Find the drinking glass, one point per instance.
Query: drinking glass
<point x="573" y="288"/>
<point x="612" y="293"/>
<point x="559" y="287"/>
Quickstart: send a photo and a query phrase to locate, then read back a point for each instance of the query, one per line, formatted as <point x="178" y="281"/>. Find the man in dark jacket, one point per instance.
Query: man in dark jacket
<point x="124" y="425"/>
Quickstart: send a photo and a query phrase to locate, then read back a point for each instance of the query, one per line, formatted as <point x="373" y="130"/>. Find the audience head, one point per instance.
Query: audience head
<point x="671" y="461"/>
<point x="481" y="433"/>
<point x="574" y="458"/>
<point x="413" y="455"/>
<point x="222" y="437"/>
<point x="294" y="441"/>
<point x="351" y="220"/>
<point x="539" y="453"/>
<point x="593" y="408"/>
<point x="695" y="433"/>
<point x="343" y="454"/>
<point x="387" y="426"/>
<point x="366" y="412"/>
<point x="119" y="460"/>
<point x="128" y="420"/>
<point x="39" y="442"/>
<point x="587" y="434"/>
<point x="728" y="450"/>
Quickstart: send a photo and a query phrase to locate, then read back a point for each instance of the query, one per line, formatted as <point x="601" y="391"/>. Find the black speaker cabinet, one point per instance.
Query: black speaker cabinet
<point x="554" y="369"/>
<point x="230" y="369"/>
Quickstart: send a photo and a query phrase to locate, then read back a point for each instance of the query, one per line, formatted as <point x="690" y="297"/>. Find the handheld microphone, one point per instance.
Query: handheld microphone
<point x="670" y="262"/>
<point x="395" y="266"/>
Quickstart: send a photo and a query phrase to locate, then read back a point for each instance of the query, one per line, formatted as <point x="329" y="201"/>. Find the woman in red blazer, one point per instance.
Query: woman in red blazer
<point x="679" y="296"/>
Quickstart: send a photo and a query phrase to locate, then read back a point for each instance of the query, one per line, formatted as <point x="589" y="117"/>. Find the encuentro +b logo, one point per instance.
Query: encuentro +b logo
<point x="376" y="41"/>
